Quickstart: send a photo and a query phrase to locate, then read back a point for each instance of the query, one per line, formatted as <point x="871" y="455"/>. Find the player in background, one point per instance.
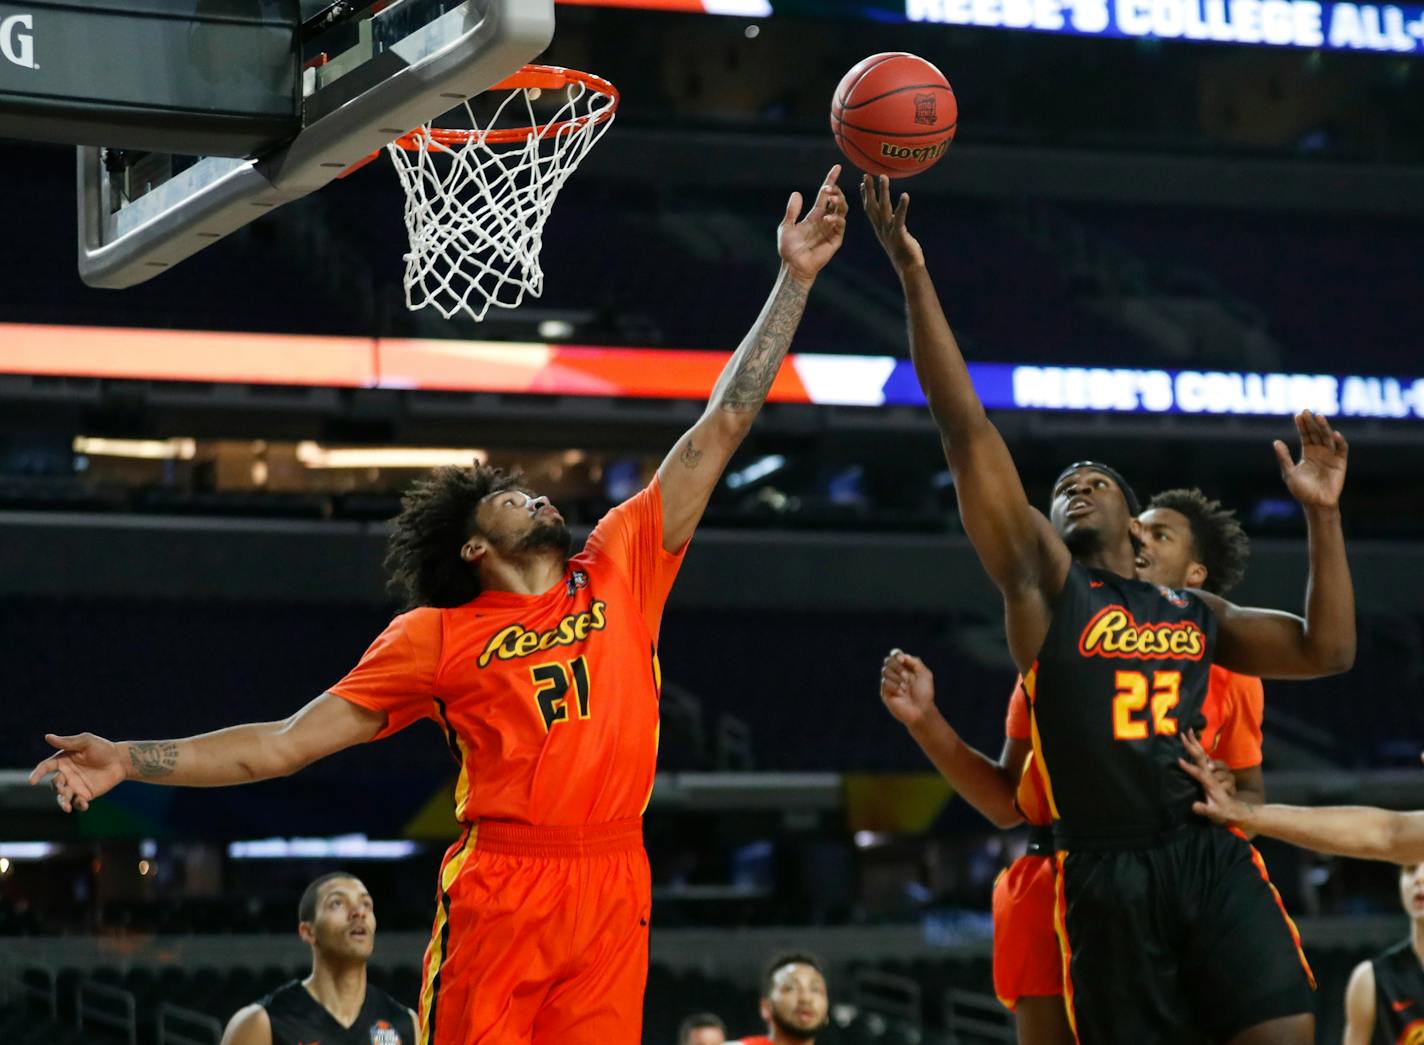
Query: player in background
<point x="334" y="1005"/>
<point x="702" y="1028"/>
<point x="542" y="672"/>
<point x="1111" y="665"/>
<point x="795" y="1004"/>
<point x="1187" y="541"/>
<point x="1384" y="1002"/>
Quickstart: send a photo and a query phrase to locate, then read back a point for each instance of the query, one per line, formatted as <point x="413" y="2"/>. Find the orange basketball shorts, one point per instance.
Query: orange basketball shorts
<point x="541" y="937"/>
<point x="1027" y="960"/>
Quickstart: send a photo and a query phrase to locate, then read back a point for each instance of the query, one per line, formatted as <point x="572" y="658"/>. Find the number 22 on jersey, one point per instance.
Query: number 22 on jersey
<point x="1133" y="691"/>
<point x="551" y="690"/>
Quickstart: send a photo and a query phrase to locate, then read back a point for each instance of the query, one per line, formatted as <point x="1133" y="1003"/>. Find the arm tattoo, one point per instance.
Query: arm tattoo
<point x="690" y="456"/>
<point x="757" y="361"/>
<point x="153" y="758"/>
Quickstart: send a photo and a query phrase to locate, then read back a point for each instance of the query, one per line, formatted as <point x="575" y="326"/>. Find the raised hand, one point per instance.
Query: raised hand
<point x="1220" y="806"/>
<point x="1318" y="477"/>
<point x="807" y="244"/>
<point x="907" y="687"/>
<point x="86" y="767"/>
<point x="889" y="222"/>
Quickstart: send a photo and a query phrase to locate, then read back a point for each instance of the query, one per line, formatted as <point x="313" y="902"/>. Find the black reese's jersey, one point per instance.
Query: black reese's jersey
<point x="1399" y="996"/>
<point x="1121" y="675"/>
<point x="299" y="1019"/>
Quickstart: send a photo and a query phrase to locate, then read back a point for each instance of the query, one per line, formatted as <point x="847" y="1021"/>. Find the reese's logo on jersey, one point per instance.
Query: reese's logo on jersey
<point x="518" y="641"/>
<point x="1413" y="1033"/>
<point x="1114" y="633"/>
<point x="382" y="1033"/>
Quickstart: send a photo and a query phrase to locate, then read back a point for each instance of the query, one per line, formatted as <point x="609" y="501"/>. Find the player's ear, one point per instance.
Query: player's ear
<point x="473" y="550"/>
<point x="1134" y="528"/>
<point x="306" y="932"/>
<point x="1196" y="575"/>
<point x="765" y="1011"/>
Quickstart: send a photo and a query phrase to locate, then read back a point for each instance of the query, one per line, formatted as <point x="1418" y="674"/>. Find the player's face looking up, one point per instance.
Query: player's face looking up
<point x="516" y="522"/>
<point x="1411" y="889"/>
<point x="1167" y="554"/>
<point x="798" y="1004"/>
<point x="345" y="922"/>
<point x="1090" y="511"/>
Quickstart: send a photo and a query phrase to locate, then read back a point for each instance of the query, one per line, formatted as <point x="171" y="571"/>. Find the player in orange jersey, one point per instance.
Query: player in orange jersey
<point x="1188" y="541"/>
<point x="542" y="671"/>
<point x="795" y="1003"/>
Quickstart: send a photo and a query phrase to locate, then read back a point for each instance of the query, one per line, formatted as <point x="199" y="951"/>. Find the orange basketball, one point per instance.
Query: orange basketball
<point x="894" y="114"/>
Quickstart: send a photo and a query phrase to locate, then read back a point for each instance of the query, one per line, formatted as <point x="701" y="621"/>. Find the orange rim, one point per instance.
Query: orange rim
<point x="542" y="77"/>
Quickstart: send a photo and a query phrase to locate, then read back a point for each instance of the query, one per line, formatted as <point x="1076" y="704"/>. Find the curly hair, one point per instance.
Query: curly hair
<point x="437" y="517"/>
<point x="1221" y="544"/>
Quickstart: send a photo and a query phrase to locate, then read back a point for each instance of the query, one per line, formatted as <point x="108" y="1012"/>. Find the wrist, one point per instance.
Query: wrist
<point x="1244" y="816"/>
<point x="909" y="268"/>
<point x="799" y="278"/>
<point x="125" y="759"/>
<point x="1322" y="513"/>
<point x="928" y="724"/>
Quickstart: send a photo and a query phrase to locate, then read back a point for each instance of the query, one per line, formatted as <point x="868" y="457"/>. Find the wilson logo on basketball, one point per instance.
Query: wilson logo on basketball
<point x="18" y="47"/>
<point x="517" y="641"/>
<point x="1114" y="633"/>
<point x="922" y="154"/>
<point x="926" y="109"/>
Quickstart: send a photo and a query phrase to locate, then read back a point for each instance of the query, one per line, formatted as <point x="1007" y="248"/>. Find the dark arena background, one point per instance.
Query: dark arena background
<point x="1162" y="228"/>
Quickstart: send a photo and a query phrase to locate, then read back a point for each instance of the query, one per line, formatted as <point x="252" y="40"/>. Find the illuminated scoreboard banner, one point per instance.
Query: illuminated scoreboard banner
<point x="536" y="368"/>
<point x="1117" y="390"/>
<point x="1329" y="24"/>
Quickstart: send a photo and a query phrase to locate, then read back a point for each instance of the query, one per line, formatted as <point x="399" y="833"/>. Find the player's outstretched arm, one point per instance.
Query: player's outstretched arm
<point x="1359" y="831"/>
<point x="692" y="470"/>
<point x="1271" y="644"/>
<point x="87" y="766"/>
<point x="1015" y="542"/>
<point x="907" y="690"/>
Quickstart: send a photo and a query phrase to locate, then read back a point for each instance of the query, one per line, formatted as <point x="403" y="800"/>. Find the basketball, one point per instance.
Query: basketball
<point x="894" y="114"/>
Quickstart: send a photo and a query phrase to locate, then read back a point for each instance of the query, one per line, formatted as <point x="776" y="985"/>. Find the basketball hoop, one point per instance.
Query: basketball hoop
<point x="476" y="200"/>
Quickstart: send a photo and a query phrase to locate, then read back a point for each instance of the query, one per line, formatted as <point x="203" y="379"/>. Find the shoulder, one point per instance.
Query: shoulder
<point x="422" y="620"/>
<point x="1361" y="988"/>
<point x="250" y="1025"/>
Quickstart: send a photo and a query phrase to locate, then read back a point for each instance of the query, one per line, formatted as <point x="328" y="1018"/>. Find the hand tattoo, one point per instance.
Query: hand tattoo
<point x="153" y="758"/>
<point x="760" y="356"/>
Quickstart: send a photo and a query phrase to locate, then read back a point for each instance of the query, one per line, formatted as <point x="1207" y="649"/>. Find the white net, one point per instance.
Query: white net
<point x="475" y="204"/>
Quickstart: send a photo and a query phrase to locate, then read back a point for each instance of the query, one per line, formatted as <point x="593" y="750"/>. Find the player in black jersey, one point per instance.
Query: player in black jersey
<point x="334" y="1005"/>
<point x="1170" y="930"/>
<point x="1384" y="1003"/>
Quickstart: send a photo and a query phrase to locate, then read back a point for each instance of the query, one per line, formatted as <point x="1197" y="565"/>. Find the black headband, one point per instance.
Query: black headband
<point x="1133" y="504"/>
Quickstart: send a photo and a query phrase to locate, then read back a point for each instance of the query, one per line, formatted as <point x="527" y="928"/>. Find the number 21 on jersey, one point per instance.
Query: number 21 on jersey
<point x="1133" y="692"/>
<point x="551" y="690"/>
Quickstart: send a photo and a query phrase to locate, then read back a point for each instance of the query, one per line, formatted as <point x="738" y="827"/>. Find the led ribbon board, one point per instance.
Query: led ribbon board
<point x="1331" y="25"/>
<point x="655" y="373"/>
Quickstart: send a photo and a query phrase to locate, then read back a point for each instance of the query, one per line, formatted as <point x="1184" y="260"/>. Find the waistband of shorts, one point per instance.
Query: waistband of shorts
<point x="1129" y="838"/>
<point x="501" y="836"/>
<point x="1040" y="840"/>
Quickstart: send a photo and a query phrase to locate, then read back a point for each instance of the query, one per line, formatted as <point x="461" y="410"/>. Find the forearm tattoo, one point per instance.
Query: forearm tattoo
<point x="759" y="358"/>
<point x="153" y="758"/>
<point x="690" y="456"/>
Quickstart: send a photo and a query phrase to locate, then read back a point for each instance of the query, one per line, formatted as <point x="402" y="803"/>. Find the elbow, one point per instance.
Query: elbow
<point x="1004" y="819"/>
<point x="1338" y="659"/>
<point x="726" y="427"/>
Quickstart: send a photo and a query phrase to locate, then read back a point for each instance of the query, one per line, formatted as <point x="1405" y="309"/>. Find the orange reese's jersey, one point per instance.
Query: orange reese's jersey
<point x="548" y="702"/>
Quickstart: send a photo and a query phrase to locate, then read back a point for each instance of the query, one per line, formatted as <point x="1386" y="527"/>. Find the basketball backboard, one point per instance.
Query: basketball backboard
<point x="370" y="70"/>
